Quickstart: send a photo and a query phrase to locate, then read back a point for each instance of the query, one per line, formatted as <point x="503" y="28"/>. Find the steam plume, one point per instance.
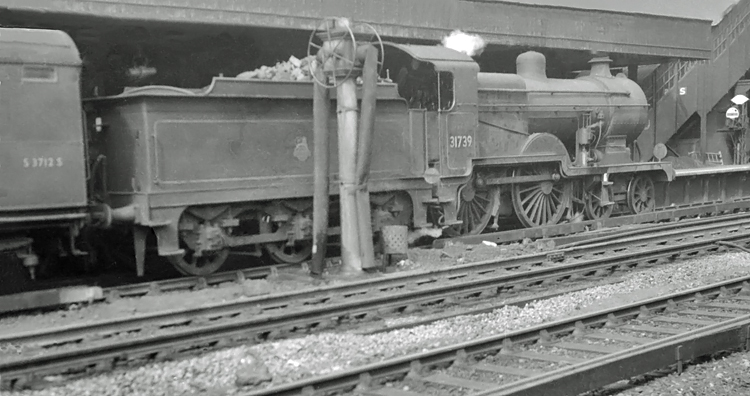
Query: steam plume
<point x="468" y="44"/>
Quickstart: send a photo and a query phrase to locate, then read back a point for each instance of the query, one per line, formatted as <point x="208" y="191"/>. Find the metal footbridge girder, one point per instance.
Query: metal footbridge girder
<point x="679" y="89"/>
<point x="502" y="23"/>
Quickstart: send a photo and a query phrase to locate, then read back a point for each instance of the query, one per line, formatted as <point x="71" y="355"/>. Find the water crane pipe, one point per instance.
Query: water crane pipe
<point x="364" y="151"/>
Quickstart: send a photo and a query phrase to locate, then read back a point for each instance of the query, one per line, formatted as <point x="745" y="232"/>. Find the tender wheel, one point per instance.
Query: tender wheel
<point x="206" y="264"/>
<point x="592" y="204"/>
<point x="475" y="208"/>
<point x="194" y="232"/>
<point x="283" y="253"/>
<point x="641" y="195"/>
<point x="540" y="203"/>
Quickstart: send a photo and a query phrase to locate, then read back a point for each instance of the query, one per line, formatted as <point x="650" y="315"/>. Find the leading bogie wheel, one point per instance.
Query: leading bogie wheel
<point x="641" y="195"/>
<point x="540" y="203"/>
<point x="593" y="209"/>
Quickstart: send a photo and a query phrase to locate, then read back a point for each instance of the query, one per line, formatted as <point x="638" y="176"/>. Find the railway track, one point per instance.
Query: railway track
<point x="565" y="357"/>
<point x="106" y="345"/>
<point x="576" y="239"/>
<point x="197" y="283"/>
<point x="610" y="225"/>
<point x="191" y="283"/>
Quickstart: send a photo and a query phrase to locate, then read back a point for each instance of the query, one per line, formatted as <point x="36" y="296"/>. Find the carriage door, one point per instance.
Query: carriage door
<point x="457" y="130"/>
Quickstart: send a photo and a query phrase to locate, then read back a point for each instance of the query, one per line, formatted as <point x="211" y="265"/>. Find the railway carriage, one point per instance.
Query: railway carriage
<point x="229" y="166"/>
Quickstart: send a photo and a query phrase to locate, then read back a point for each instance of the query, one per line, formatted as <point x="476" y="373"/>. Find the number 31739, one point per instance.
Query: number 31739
<point x="459" y="141"/>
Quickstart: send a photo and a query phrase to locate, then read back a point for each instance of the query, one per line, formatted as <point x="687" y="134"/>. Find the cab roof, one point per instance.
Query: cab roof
<point x="38" y="46"/>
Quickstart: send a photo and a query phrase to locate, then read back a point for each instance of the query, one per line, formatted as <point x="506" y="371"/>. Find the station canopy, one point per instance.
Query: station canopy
<point x="186" y="40"/>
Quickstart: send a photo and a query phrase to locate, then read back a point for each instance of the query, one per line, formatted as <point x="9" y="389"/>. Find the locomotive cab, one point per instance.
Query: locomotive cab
<point x="440" y="86"/>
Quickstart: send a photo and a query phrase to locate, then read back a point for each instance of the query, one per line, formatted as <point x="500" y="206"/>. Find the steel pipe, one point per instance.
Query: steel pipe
<point x="364" y="154"/>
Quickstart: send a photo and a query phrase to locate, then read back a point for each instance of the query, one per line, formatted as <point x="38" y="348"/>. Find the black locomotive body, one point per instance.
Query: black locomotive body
<point x="229" y="166"/>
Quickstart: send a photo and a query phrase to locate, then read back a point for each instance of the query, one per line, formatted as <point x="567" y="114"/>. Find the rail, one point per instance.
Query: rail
<point x="643" y="337"/>
<point x="164" y="335"/>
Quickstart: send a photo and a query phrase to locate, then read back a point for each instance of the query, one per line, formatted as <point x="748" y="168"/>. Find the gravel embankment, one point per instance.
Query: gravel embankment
<point x="293" y="359"/>
<point x="726" y="376"/>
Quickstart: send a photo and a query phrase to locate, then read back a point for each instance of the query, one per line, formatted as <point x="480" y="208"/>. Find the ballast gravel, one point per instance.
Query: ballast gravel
<point x="294" y="359"/>
<point x="726" y="376"/>
<point x="287" y="281"/>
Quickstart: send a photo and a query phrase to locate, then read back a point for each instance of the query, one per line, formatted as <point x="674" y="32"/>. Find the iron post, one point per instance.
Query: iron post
<point x="321" y="113"/>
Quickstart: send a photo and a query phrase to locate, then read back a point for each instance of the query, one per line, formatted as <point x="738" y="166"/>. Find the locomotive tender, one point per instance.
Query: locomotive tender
<point x="230" y="165"/>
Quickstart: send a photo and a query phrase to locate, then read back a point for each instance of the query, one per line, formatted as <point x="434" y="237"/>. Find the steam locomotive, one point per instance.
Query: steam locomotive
<point x="200" y="172"/>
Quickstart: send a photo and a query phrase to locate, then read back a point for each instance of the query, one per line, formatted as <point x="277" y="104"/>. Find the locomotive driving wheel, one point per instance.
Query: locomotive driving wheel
<point x="641" y="195"/>
<point x="541" y="202"/>
<point x="475" y="208"/>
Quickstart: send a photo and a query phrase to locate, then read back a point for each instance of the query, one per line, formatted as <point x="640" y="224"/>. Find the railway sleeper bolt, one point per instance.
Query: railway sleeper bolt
<point x="580" y="329"/>
<point x="365" y="382"/>
<point x="576" y="276"/>
<point x="644" y="313"/>
<point x="462" y="358"/>
<point x="678" y="358"/>
<point x="612" y="321"/>
<point x="112" y="295"/>
<point x="415" y="371"/>
<point x="507" y="346"/>
<point x="326" y="324"/>
<point x="308" y="391"/>
<point x="745" y="290"/>
<point x="549" y="282"/>
<point x="200" y="284"/>
<point x="671" y="306"/>
<point x="154" y="289"/>
<point x="240" y="277"/>
<point x="104" y="366"/>
<point x="165" y="355"/>
<point x="544" y="338"/>
<point x="386" y="311"/>
<point x="410" y="308"/>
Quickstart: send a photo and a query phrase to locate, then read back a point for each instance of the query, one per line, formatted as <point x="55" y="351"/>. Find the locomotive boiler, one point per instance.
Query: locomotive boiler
<point x="201" y="172"/>
<point x="528" y="102"/>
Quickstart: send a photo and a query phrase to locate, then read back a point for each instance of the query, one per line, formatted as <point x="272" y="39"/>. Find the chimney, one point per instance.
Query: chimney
<point x="600" y="67"/>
